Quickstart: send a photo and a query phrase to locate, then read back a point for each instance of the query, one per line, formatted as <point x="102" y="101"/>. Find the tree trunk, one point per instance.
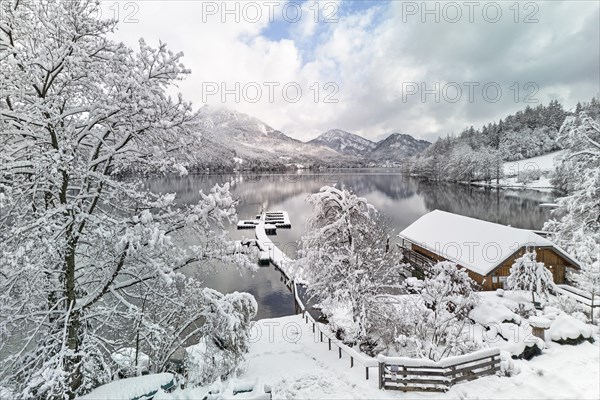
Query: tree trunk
<point x="73" y="358"/>
<point x="592" y="309"/>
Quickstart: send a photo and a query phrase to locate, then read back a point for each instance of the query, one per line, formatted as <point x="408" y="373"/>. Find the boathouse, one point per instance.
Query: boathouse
<point x="487" y="250"/>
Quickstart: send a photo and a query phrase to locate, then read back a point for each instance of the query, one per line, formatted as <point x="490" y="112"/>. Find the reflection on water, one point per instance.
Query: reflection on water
<point x="401" y="199"/>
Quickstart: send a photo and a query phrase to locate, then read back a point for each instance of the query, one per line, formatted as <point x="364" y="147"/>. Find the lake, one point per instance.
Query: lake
<point x="400" y="198"/>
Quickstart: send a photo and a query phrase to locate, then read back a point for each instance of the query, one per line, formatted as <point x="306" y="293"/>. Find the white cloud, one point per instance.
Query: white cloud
<point x="371" y="55"/>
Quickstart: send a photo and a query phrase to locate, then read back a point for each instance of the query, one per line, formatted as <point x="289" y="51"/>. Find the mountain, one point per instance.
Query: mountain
<point x="344" y="142"/>
<point x="231" y="138"/>
<point x="396" y="147"/>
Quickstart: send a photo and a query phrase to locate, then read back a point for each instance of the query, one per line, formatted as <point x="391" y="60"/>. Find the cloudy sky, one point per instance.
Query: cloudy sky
<point x="375" y="67"/>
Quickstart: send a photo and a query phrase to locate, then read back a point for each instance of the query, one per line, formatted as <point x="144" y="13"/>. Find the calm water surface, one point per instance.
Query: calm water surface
<point x="401" y="199"/>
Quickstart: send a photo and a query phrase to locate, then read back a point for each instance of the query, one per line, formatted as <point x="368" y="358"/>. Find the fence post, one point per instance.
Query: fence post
<point x="380" y="370"/>
<point x="340" y="352"/>
<point x="321" y="336"/>
<point x="329" y="339"/>
<point x="351" y="361"/>
<point x="367" y="372"/>
<point x="313" y="327"/>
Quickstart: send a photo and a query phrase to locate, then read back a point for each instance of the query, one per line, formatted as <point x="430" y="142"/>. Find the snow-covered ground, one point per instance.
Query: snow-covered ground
<point x="289" y="358"/>
<point x="130" y="388"/>
<point x="543" y="165"/>
<point x="542" y="183"/>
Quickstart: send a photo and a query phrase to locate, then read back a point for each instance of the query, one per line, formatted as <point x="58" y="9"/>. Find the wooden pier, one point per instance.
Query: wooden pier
<point x="270" y="221"/>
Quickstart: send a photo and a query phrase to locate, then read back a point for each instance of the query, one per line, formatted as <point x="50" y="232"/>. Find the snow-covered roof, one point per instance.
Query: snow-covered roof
<point x="473" y="243"/>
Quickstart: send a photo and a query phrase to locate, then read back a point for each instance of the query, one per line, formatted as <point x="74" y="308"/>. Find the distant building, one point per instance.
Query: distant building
<point x="487" y="250"/>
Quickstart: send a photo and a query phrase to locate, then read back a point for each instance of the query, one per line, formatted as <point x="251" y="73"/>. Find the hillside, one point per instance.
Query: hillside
<point x="394" y="148"/>
<point x="397" y="147"/>
<point x="528" y="137"/>
<point x="345" y="142"/>
<point x="231" y="138"/>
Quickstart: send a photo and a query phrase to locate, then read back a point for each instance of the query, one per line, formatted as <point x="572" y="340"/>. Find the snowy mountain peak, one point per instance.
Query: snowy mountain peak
<point x="220" y="117"/>
<point x="344" y="142"/>
<point x="231" y="138"/>
<point x="398" y="146"/>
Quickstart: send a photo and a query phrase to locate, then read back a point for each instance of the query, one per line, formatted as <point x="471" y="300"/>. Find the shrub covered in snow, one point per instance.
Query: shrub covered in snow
<point x="129" y="363"/>
<point x="433" y="322"/>
<point x="515" y="339"/>
<point x="226" y="337"/>
<point x="131" y="388"/>
<point x="528" y="274"/>
<point x="566" y="304"/>
<point x="489" y="312"/>
<point x="507" y="365"/>
<point x="568" y="330"/>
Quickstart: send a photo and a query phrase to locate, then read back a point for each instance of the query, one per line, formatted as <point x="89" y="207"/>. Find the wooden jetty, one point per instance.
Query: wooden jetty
<point x="271" y="220"/>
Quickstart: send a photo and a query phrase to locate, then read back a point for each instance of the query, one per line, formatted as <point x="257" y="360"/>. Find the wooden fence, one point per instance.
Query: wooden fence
<point x="328" y="336"/>
<point x="579" y="295"/>
<point x="401" y="373"/>
<point x="409" y="374"/>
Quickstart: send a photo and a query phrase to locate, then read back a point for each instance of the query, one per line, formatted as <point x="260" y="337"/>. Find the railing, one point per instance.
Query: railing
<point x="409" y="374"/>
<point x="579" y="295"/>
<point x="417" y="258"/>
<point x="353" y="355"/>
<point x="420" y="264"/>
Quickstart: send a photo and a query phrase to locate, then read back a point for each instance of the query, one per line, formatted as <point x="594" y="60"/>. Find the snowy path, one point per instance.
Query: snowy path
<point x="286" y="355"/>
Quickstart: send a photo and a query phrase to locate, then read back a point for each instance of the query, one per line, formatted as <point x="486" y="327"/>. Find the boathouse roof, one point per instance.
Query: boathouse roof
<point x="477" y="245"/>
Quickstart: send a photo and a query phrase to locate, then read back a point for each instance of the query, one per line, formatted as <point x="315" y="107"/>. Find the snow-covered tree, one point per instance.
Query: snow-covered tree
<point x="588" y="279"/>
<point x="344" y="254"/>
<point x="440" y="314"/>
<point x="528" y="274"/>
<point x="81" y="247"/>
<point x="576" y="222"/>
<point x="432" y="320"/>
<point x="226" y="338"/>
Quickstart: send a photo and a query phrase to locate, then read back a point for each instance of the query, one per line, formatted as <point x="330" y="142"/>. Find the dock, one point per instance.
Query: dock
<point x="272" y="221"/>
<point x="271" y="254"/>
<point x="265" y="225"/>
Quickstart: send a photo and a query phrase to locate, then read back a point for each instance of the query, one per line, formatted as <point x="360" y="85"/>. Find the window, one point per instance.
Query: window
<point x="494" y="279"/>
